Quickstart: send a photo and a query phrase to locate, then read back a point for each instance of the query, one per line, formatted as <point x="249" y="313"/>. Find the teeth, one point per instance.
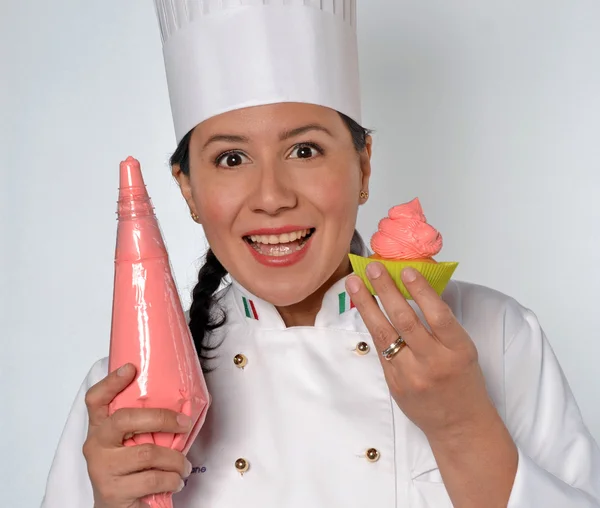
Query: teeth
<point x="278" y="239"/>
<point x="283" y="250"/>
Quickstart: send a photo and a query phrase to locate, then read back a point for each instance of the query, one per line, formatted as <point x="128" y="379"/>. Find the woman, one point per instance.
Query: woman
<point x="316" y="404"/>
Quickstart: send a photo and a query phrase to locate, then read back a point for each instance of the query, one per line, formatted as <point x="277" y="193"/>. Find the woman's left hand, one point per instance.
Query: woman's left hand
<point x="435" y="379"/>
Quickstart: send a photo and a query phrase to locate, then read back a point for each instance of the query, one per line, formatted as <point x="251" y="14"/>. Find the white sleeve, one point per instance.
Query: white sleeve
<point x="559" y="461"/>
<point x="68" y="484"/>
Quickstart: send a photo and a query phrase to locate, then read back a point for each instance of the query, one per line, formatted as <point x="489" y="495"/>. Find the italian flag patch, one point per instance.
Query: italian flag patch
<point x="249" y="308"/>
<point x="345" y="302"/>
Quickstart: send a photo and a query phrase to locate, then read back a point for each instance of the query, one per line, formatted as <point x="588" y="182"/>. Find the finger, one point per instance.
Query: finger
<point x="146" y="483"/>
<point x="134" y="459"/>
<point x="402" y="316"/>
<point x="142" y="421"/>
<point x="381" y="330"/>
<point x="103" y="393"/>
<point x="440" y="318"/>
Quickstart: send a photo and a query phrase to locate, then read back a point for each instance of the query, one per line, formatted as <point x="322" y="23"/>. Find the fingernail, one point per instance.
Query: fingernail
<point x="409" y="275"/>
<point x="374" y="270"/>
<point x="181" y="485"/>
<point x="188" y="468"/>
<point x="184" y="420"/>
<point x="353" y="284"/>
<point x="122" y="371"/>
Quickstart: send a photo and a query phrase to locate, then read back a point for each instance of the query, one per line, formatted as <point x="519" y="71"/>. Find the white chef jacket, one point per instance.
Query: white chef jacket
<point x="309" y="404"/>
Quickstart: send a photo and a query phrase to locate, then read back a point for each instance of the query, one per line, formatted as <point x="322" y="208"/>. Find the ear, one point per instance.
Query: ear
<point x="185" y="186"/>
<point x="365" y="166"/>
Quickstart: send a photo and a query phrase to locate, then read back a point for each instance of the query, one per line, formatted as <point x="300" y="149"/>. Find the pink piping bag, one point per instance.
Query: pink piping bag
<point x="149" y="328"/>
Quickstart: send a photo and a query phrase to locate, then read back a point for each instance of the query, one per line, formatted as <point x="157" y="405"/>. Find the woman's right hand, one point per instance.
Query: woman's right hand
<point x="122" y="475"/>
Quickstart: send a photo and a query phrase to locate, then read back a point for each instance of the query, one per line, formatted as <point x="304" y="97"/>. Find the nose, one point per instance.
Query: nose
<point x="274" y="191"/>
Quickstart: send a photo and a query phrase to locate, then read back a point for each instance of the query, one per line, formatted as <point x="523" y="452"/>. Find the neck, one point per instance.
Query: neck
<point x="304" y="313"/>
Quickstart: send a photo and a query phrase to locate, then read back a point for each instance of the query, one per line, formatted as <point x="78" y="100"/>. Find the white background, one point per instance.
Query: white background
<point x="487" y="110"/>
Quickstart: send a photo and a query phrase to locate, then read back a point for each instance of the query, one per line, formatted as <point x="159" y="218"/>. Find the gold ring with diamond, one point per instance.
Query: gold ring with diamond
<point x="394" y="349"/>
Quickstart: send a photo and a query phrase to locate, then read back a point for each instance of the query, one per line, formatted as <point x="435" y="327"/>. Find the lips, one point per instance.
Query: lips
<point x="279" y="247"/>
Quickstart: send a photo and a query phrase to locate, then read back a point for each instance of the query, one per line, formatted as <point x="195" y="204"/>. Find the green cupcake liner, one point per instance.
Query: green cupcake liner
<point x="438" y="275"/>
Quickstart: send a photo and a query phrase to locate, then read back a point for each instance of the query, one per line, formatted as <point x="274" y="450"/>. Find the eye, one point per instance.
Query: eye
<point x="231" y="159"/>
<point x="305" y="151"/>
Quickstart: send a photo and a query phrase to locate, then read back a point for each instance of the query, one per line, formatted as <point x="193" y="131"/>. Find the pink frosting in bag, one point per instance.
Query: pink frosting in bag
<point x="149" y="328"/>
<point x="405" y="234"/>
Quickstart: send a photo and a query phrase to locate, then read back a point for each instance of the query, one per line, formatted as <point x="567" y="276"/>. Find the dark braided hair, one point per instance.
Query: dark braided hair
<point x="205" y="314"/>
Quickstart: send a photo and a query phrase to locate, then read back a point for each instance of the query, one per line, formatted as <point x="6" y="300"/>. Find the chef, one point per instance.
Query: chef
<point x="322" y="395"/>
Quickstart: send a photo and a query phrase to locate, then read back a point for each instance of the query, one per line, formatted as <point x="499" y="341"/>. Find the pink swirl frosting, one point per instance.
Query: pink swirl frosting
<point x="405" y="234"/>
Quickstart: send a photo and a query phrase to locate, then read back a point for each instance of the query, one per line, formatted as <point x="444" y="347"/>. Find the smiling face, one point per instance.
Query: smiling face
<point x="277" y="190"/>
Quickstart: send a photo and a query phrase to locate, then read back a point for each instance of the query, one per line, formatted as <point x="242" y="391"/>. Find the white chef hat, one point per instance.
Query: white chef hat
<point x="222" y="55"/>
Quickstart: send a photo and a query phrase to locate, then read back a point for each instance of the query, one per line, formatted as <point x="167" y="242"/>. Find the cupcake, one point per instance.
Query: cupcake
<point x="403" y="239"/>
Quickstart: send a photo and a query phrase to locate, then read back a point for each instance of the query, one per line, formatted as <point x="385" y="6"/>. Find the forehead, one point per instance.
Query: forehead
<point x="269" y="119"/>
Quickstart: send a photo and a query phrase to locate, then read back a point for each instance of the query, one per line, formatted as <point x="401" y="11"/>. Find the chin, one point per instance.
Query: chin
<point x="282" y="293"/>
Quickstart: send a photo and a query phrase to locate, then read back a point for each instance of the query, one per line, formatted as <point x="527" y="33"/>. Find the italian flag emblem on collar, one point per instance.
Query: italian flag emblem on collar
<point x="249" y="308"/>
<point x="345" y="303"/>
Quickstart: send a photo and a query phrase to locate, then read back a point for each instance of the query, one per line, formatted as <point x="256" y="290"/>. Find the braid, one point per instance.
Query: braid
<point x="203" y="318"/>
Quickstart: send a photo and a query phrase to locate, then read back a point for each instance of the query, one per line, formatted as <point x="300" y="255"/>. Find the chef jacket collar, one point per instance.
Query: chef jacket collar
<point x="337" y="310"/>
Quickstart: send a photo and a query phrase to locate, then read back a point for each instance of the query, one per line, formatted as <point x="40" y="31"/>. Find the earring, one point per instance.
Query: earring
<point x="364" y="194"/>
<point x="195" y="218"/>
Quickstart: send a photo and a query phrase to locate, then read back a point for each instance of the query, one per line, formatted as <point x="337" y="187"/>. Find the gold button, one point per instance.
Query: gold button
<point x="362" y="348"/>
<point x="242" y="465"/>
<point x="240" y="361"/>
<point x="372" y="455"/>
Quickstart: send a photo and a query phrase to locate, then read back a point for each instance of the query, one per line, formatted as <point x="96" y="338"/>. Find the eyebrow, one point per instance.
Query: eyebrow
<point x="303" y="130"/>
<point x="229" y="138"/>
<point x="285" y="135"/>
